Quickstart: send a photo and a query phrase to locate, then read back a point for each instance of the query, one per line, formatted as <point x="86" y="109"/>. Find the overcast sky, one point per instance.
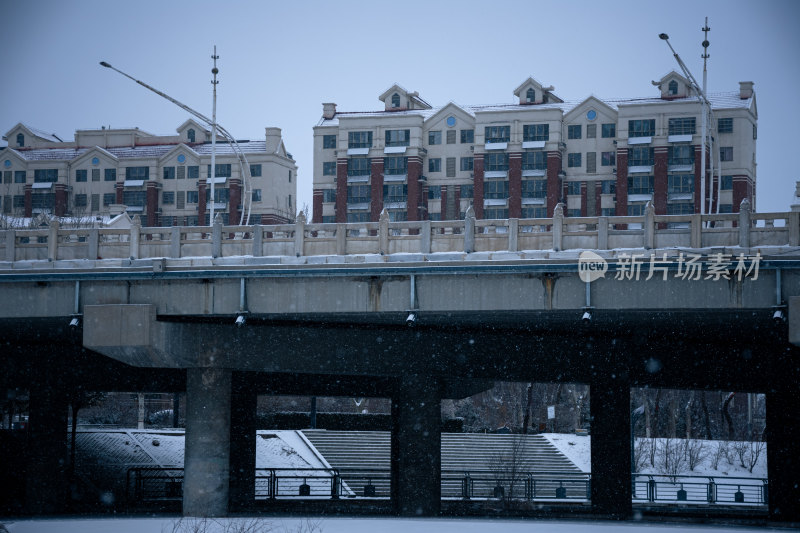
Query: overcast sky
<point x="280" y="60"/>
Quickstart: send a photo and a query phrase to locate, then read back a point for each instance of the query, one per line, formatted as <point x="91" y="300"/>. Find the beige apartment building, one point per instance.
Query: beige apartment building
<point x="597" y="156"/>
<point x="165" y="179"/>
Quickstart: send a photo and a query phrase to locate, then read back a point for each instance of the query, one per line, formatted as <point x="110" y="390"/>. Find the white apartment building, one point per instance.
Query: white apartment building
<point x="165" y="179"/>
<point x="597" y="156"/>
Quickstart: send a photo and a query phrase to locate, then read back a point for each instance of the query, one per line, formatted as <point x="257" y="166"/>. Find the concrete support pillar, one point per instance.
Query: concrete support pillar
<point x="207" y="453"/>
<point x="783" y="445"/>
<point x="416" y="447"/>
<point x="46" y="484"/>
<point x="611" y="443"/>
<point x="243" y="443"/>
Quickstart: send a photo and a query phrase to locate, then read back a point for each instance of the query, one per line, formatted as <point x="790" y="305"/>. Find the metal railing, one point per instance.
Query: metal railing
<point x="151" y="484"/>
<point x="699" y="489"/>
<point x="529" y="486"/>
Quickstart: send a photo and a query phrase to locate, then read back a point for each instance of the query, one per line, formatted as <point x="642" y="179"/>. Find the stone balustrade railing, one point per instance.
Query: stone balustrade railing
<point x="743" y="229"/>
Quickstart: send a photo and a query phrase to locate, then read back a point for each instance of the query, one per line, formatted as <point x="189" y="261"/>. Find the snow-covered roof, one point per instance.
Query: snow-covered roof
<point x="135" y="152"/>
<point x="43" y="134"/>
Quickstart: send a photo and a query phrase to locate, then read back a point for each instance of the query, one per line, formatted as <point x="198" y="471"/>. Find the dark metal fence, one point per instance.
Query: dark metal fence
<point x="699" y="489"/>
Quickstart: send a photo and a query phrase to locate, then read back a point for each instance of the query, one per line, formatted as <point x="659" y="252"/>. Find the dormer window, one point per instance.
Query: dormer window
<point x="673" y="88"/>
<point x="395" y="100"/>
<point x="530" y="96"/>
<point x="20" y="140"/>
<point x="190" y="135"/>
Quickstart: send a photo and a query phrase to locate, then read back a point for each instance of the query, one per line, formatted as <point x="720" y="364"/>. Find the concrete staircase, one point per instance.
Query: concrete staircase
<point x="367" y="454"/>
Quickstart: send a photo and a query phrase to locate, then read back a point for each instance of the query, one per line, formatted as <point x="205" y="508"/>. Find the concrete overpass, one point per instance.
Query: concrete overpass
<point x="709" y="302"/>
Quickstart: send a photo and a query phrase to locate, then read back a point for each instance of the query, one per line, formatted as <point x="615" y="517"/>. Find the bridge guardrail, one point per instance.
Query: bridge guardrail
<point x="699" y="489"/>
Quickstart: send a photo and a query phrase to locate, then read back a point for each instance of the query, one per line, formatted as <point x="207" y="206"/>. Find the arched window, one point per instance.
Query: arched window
<point x="673" y="87"/>
<point x="530" y="96"/>
<point x="20" y="139"/>
<point x="395" y="100"/>
<point x="190" y="134"/>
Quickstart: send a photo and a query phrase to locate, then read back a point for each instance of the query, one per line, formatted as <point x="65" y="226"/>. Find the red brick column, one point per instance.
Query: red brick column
<point x="118" y="189"/>
<point x="477" y="181"/>
<point x="341" y="190"/>
<point x="201" y="203"/>
<point x="584" y="194"/>
<point x="515" y="185"/>
<point x="457" y="202"/>
<point x="443" y="203"/>
<point x="660" y="180"/>
<point x="234" y="200"/>
<point x="554" y="192"/>
<point x="151" y="195"/>
<point x="60" y="208"/>
<point x="376" y="188"/>
<point x="698" y="149"/>
<point x="414" y="189"/>
<point x="28" y="201"/>
<point x="741" y="189"/>
<point x="423" y="215"/>
<point x="622" y="182"/>
<point x="316" y="214"/>
<point x="598" y="192"/>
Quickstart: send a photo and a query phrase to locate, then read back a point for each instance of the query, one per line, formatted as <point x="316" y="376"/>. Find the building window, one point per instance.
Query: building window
<point x="19" y="201"/>
<point x="636" y="210"/>
<point x="329" y="168"/>
<point x="328" y="219"/>
<point x="591" y="131"/>
<point x="640" y="156"/>
<point x="608" y="187"/>
<point x="727" y="183"/>
<point x="435" y="192"/>
<point x="640" y="185"/>
<point x="575" y="213"/>
<point x="535" y="132"/>
<point x="395" y="193"/>
<point x="495" y="213"/>
<point x="466" y="163"/>
<point x="608" y="131"/>
<point x="534" y="212"/>
<point x="451" y="136"/>
<point x="534" y="189"/>
<point x="534" y="160"/>
<point x="395" y="100"/>
<point x="680" y="183"/>
<point x="680" y="155"/>
<point x="190" y="135"/>
<point x="134" y="198"/>
<point x="168" y="197"/>
<point x="574" y="188"/>
<point x="434" y="164"/>
<point x="290" y="176"/>
<point x="498" y="134"/>
<point x="467" y="136"/>
<point x="329" y="195"/>
<point x="672" y="88"/>
<point x="95" y="203"/>
<point x="169" y="173"/>
<point x="20" y="140"/>
<point x="221" y="196"/>
<point x="256" y="195"/>
<point x="682" y="126"/>
<point x="725" y="125"/>
<point x="358" y="194"/>
<point x="80" y="200"/>
<point x="19" y="176"/>
<point x="6" y="176"/>
<point x="755" y="132"/>
<point x="395" y="166"/>
<point x="137" y="173"/>
<point x="467" y="191"/>
<point x="608" y="159"/>
<point x="328" y="142"/>
<point x="726" y="153"/>
<point x="574" y="160"/>
<point x="725" y="208"/>
<point x="109" y="198"/>
<point x="641" y="128"/>
<point x="95" y="174"/>
<point x="192" y="197"/>
<point x="450" y="167"/>
<point x="495" y="189"/>
<point x="358" y="216"/>
<point x="680" y="208"/>
<point x="45" y="175"/>
<point x="608" y="211"/>
<point x="591" y="162"/>
<point x="574" y="131"/>
<point x="398" y="137"/>
<point x="435" y="137"/>
<point x="530" y="96"/>
<point x="43" y="201"/>
<point x="359" y="139"/>
<point x="180" y="200"/>
<point x="496" y="162"/>
<point x="221" y="170"/>
<point x="110" y="174"/>
<point x="255" y="171"/>
<point x="193" y="172"/>
<point x="81" y="175"/>
<point x="358" y="166"/>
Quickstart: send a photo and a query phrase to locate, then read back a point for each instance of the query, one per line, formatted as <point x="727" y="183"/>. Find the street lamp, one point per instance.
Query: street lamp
<point x="705" y="106"/>
<point x="212" y="123"/>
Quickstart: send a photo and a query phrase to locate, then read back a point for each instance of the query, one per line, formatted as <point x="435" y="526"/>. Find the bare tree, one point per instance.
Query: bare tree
<point x="720" y="451"/>
<point x="641" y="453"/>
<point x="740" y="449"/>
<point x="671" y="458"/>
<point x="695" y="452"/>
<point x="509" y="466"/>
<point x="754" y="451"/>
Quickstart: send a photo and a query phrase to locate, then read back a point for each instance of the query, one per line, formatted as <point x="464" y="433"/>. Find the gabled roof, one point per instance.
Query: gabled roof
<point x="594" y="100"/>
<point x="393" y="89"/>
<point x="10" y="151"/>
<point x="95" y="150"/>
<point x="449" y="107"/>
<point x="530" y="80"/>
<point x="41" y="134"/>
<point x="192" y="122"/>
<point x="179" y="148"/>
<point x="672" y="74"/>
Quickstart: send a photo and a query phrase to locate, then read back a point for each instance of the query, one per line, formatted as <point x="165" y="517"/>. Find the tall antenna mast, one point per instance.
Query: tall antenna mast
<point x="214" y="83"/>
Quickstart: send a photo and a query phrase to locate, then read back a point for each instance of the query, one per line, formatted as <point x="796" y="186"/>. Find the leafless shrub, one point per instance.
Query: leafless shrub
<point x="671" y="460"/>
<point x="695" y="452"/>
<point x="651" y="450"/>
<point x="190" y="524"/>
<point x="754" y="451"/>
<point x="641" y="453"/>
<point x="740" y="449"/>
<point x="720" y="451"/>
<point x="509" y="466"/>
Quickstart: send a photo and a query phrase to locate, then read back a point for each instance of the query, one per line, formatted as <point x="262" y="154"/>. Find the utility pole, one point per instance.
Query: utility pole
<point x="214" y="83"/>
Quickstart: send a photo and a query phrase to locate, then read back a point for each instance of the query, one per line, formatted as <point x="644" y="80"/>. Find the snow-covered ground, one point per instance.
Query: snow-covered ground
<point x="363" y="525"/>
<point x="576" y="449"/>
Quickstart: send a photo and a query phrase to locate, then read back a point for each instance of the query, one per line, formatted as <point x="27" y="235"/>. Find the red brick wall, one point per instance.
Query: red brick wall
<point x="60" y="208"/>
<point x="477" y="171"/>
<point x="554" y="192"/>
<point x="622" y="182"/>
<point x="414" y="189"/>
<point x="515" y="185"/>
<point x="341" y="190"/>
<point x="28" y="201"/>
<point x="660" y="181"/>
<point x="376" y="188"/>
<point x="234" y="200"/>
<point x="201" y="203"/>
<point x="316" y="215"/>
